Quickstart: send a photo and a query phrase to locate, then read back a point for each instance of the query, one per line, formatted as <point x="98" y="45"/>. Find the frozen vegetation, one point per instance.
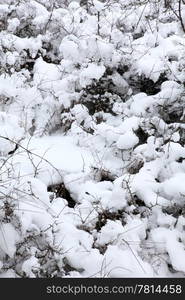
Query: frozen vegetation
<point x="92" y="133"/>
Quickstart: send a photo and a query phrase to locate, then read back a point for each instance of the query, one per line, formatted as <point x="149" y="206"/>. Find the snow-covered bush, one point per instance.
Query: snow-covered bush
<point x="92" y="133"/>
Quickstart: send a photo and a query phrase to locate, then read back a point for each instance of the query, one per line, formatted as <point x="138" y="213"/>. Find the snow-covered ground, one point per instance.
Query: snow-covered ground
<point x="92" y="133"/>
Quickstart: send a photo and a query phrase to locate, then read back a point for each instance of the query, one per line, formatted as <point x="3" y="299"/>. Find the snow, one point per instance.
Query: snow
<point x="8" y="239"/>
<point x="127" y="141"/>
<point x="29" y="265"/>
<point x="98" y="5"/>
<point x="174" y="188"/>
<point x="91" y="72"/>
<point x="169" y="240"/>
<point x="120" y="264"/>
<point x="9" y="128"/>
<point x="92" y="156"/>
<point x="54" y="150"/>
<point x="69" y="49"/>
<point x="13" y="24"/>
<point x="45" y="75"/>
